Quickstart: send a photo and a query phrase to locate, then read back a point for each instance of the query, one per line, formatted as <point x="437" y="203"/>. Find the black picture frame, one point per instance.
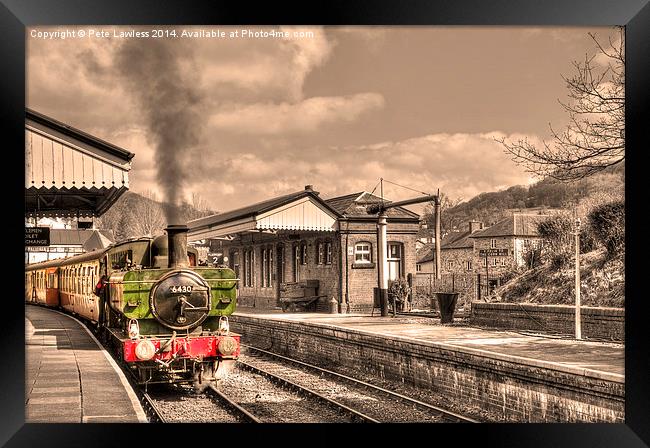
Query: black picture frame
<point x="16" y="15"/>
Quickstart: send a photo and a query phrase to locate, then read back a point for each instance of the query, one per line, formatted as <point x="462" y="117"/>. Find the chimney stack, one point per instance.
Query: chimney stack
<point x="177" y="246"/>
<point x="474" y="226"/>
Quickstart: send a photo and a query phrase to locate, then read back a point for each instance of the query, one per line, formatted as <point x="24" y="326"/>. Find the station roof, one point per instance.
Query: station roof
<point x="354" y="205"/>
<point x="301" y="210"/>
<point x="69" y="172"/>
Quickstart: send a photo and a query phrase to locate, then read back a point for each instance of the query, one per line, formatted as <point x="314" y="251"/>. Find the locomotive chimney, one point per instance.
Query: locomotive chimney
<point x="177" y="246"/>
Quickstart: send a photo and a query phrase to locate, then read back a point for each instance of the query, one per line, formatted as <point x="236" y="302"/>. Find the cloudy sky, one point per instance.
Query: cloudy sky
<point x="241" y="119"/>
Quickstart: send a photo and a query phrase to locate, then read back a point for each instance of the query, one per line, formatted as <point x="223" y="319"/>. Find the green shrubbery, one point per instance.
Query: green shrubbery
<point x="398" y="291"/>
<point x="607" y="226"/>
<point x="557" y="232"/>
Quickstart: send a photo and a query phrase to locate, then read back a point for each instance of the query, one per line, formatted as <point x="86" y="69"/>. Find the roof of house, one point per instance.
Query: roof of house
<point x="354" y="205"/>
<point x="99" y="239"/>
<point x="257" y="208"/>
<point x="518" y="224"/>
<point x="79" y="237"/>
<point x="453" y="240"/>
<point x="426" y="253"/>
<point x="457" y="240"/>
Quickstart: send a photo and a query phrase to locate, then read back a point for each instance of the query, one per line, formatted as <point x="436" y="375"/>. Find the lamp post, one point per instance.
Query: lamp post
<point x="577" y="287"/>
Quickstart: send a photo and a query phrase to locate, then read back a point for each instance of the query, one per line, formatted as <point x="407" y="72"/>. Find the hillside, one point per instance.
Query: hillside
<point x="135" y="215"/>
<point x="548" y="193"/>
<point x="602" y="283"/>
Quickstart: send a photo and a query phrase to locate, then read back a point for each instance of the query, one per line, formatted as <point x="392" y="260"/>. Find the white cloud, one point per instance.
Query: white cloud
<point x="305" y="116"/>
<point x="460" y="165"/>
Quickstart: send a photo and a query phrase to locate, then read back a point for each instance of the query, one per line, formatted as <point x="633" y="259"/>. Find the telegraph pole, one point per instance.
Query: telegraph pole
<point x="577" y="287"/>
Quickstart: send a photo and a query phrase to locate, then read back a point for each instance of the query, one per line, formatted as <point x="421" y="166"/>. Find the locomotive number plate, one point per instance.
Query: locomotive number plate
<point x="180" y="288"/>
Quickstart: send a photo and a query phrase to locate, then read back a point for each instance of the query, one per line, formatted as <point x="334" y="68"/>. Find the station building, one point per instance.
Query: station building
<point x="301" y="238"/>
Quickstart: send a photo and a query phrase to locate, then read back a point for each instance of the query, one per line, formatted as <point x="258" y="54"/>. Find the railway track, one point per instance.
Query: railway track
<point x="234" y="407"/>
<point x="355" y="416"/>
<point x="374" y="402"/>
<point x="151" y="409"/>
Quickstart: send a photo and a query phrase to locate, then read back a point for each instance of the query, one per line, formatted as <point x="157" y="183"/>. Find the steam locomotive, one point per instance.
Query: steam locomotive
<point x="162" y="315"/>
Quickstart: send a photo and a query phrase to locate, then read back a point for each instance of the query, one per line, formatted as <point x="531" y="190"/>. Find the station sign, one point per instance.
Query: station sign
<point x="493" y="252"/>
<point x="37" y="236"/>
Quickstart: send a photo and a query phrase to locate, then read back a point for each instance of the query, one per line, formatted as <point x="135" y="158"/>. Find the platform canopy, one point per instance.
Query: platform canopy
<point x="69" y="172"/>
<point x="300" y="211"/>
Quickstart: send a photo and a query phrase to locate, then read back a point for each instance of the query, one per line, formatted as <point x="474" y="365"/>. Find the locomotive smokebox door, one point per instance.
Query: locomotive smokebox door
<point x="180" y="300"/>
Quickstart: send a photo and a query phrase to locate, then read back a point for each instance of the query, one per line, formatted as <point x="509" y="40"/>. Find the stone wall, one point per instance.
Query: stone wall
<point x="596" y="323"/>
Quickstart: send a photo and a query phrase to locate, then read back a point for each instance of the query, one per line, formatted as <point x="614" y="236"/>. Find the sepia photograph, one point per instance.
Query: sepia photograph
<point x="325" y="224"/>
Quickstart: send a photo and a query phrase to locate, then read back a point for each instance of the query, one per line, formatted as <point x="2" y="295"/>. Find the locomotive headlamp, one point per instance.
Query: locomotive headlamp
<point x="145" y="350"/>
<point x="227" y="345"/>
<point x="134" y="329"/>
<point x="224" y="326"/>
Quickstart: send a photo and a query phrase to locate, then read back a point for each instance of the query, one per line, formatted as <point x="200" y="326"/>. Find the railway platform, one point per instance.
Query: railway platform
<point x="598" y="359"/>
<point x="69" y="377"/>
<point x="511" y="375"/>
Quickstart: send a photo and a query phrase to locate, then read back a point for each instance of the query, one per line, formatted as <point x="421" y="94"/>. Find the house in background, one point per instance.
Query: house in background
<point x="456" y="252"/>
<point x="502" y="247"/>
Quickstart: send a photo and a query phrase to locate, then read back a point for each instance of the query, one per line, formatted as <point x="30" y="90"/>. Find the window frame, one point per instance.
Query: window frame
<point x="328" y="252"/>
<point x="363" y="252"/>
<point x="303" y="254"/>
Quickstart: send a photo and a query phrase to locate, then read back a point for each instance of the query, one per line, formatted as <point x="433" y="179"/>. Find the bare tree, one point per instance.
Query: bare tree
<point x="595" y="136"/>
<point x="198" y="208"/>
<point x="447" y="221"/>
<point x="149" y="215"/>
<point x="118" y="219"/>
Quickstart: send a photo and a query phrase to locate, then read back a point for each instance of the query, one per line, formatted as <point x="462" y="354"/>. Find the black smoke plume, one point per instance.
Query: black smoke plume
<point x="159" y="74"/>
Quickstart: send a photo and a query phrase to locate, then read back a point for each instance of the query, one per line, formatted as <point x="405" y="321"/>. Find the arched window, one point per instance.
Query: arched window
<point x="363" y="252"/>
<point x="320" y="252"/>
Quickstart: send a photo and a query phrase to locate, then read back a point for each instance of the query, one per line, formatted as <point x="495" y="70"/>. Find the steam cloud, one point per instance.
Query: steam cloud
<point x="157" y="75"/>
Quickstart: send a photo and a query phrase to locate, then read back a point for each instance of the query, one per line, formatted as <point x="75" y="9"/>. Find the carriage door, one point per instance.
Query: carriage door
<point x="394" y="261"/>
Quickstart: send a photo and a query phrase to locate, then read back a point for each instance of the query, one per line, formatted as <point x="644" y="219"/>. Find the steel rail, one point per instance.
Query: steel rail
<point x="217" y="394"/>
<point x="151" y="409"/>
<point x="356" y="415"/>
<point x="429" y="407"/>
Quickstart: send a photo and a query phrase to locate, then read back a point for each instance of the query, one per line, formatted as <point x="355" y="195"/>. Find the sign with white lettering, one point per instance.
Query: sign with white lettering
<point x="37" y="236"/>
<point x="493" y="252"/>
<point x="350" y="250"/>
